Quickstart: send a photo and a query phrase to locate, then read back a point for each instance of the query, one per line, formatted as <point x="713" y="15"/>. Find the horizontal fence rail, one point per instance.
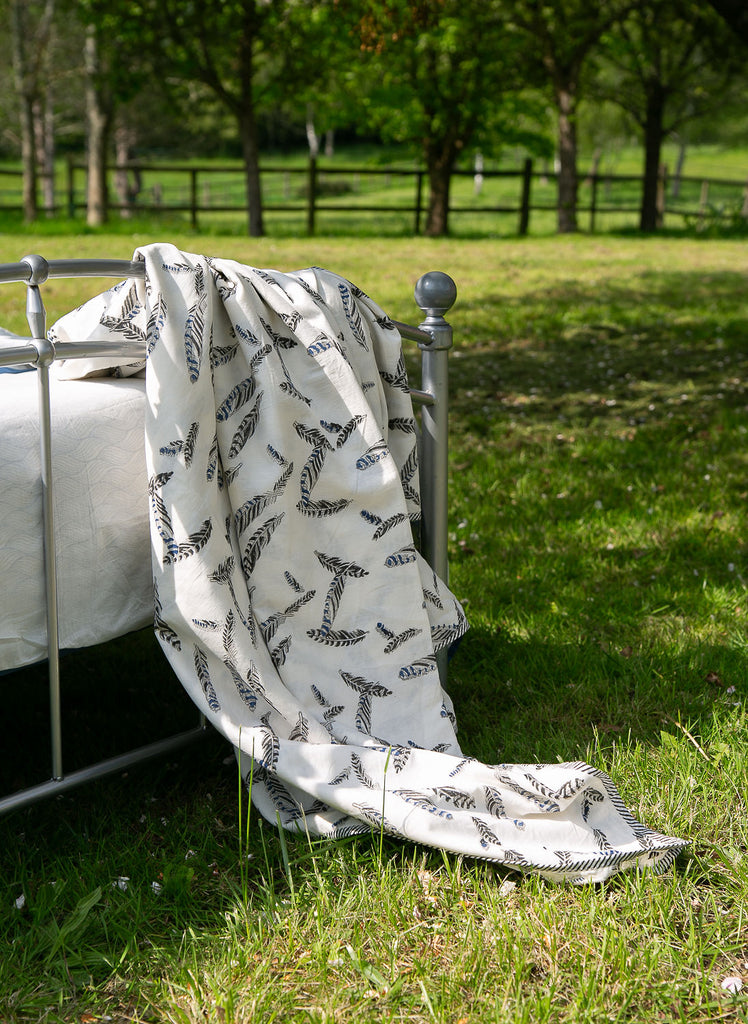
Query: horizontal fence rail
<point x="313" y="191"/>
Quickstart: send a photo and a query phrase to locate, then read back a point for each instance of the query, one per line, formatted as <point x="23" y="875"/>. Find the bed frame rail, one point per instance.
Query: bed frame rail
<point x="435" y="294"/>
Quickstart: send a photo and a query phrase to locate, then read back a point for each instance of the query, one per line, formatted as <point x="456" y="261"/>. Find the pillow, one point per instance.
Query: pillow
<point x="111" y="316"/>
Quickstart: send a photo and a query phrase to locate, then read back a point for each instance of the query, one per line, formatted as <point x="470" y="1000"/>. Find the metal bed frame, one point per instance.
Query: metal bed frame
<point x="435" y="294"/>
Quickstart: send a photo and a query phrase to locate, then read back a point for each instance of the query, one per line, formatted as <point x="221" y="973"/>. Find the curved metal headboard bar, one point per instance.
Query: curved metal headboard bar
<point x="35" y="269"/>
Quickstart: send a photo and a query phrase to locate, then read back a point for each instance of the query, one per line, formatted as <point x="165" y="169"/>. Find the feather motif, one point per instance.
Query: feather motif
<point x="227" y="636"/>
<point x="154" y="326"/>
<point x="223" y="354"/>
<point x="213" y="467"/>
<point x="361" y="774"/>
<point x="236" y="398"/>
<point x="494" y="803"/>
<point x="399" y="378"/>
<point x="348" y="429"/>
<point x="246" y="514"/>
<point x="300" y="732"/>
<point x="258" y="541"/>
<point x="487" y="837"/>
<point x="406" y="424"/>
<point x="323" y="508"/>
<point x="246" y="428"/>
<point x="161" y="516"/>
<point x="162" y="628"/>
<point x="279" y="654"/>
<point x="245" y="692"/>
<point x="353" y="316"/>
<point x="373" y="455"/>
<point x="270" y="750"/>
<point x="194" y="543"/>
<point x="458" y="797"/>
<point x="421" y="667"/>
<point x="194" y="330"/>
<point x="367" y="686"/>
<point x="203" y="675"/>
<point x="337" y="638"/>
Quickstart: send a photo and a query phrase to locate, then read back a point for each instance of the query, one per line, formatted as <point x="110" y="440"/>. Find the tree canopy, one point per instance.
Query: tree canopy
<point x="448" y="77"/>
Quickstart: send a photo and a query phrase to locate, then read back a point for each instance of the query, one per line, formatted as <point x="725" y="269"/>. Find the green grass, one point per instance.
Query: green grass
<point x="597" y="535"/>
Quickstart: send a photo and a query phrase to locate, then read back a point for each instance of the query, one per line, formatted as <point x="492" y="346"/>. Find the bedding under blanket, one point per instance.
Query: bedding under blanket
<point x="289" y="596"/>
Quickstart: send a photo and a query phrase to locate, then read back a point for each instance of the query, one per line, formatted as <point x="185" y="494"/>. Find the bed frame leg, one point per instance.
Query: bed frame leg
<point x="45" y="354"/>
<point x="435" y="294"/>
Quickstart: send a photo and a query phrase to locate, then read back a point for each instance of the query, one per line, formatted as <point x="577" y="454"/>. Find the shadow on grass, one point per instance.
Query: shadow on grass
<point x="522" y="700"/>
<point x="662" y="333"/>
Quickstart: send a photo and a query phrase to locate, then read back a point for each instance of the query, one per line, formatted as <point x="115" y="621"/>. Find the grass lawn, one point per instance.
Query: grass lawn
<point x="599" y="483"/>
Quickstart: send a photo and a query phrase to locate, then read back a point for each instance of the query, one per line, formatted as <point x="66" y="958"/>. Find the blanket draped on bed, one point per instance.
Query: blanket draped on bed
<point x="289" y="596"/>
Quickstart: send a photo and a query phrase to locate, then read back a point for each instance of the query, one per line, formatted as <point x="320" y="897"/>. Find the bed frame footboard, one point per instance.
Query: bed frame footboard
<point x="435" y="294"/>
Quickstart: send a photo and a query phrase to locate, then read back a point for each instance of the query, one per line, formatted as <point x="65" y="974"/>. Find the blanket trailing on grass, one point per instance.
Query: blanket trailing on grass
<point x="289" y="597"/>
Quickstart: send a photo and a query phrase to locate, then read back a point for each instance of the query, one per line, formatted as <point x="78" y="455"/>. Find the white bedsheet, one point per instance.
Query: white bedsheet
<point x="101" y="508"/>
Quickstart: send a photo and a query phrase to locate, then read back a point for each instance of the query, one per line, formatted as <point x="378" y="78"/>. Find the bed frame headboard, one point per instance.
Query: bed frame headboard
<point x="435" y="293"/>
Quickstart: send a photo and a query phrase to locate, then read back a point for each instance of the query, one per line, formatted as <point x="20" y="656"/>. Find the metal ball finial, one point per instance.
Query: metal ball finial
<point x="435" y="293"/>
<point x="39" y="268"/>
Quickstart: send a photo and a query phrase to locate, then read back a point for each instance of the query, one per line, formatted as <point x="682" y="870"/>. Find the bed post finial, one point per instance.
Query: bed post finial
<point x="39" y="268"/>
<point x="435" y="294"/>
<point x="35" y="312"/>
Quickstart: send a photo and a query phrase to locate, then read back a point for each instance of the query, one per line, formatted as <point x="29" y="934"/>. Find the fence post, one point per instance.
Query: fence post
<point x="312" y="197"/>
<point x="419" y="201"/>
<point x="524" y="206"/>
<point x="71" y="187"/>
<point x="703" y="200"/>
<point x="593" y="201"/>
<point x="193" y="198"/>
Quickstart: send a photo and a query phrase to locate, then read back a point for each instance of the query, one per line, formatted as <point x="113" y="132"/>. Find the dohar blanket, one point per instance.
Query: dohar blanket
<point x="289" y="596"/>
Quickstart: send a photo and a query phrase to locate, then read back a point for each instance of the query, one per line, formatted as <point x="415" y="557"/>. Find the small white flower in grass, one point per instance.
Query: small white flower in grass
<point x="730" y="689"/>
<point x="598" y="505"/>
<point x="121" y="883"/>
<point x="20" y="902"/>
<point x="156" y="888"/>
<point x="733" y="984"/>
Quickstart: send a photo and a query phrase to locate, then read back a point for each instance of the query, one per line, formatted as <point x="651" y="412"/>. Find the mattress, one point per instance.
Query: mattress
<point x="101" y="512"/>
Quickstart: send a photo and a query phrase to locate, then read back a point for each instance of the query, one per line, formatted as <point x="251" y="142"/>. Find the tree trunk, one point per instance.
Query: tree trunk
<point x="440" y="160"/>
<point x="45" y="151"/>
<point x="648" y="215"/>
<point x="251" y="156"/>
<point x="567" y="156"/>
<point x="97" y="124"/>
<point x="126" y="183"/>
<point x="25" y="90"/>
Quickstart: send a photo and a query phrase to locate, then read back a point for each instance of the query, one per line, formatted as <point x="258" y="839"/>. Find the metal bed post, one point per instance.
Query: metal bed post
<point x="435" y="294"/>
<point x="45" y="353"/>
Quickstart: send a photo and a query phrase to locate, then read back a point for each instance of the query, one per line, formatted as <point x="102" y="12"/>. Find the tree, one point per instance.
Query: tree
<point x="31" y="33"/>
<point x="247" y="52"/>
<point x="669" y="62"/>
<point x="440" y="74"/>
<point x="565" y="34"/>
<point x="735" y="13"/>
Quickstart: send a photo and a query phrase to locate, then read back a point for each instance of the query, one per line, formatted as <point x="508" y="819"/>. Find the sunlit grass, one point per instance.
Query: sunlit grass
<point x="599" y="477"/>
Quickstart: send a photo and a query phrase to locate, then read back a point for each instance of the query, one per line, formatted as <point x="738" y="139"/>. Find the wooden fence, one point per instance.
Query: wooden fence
<point x="313" y="191"/>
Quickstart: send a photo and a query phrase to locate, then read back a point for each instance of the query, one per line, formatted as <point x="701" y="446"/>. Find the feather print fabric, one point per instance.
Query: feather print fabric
<point x="290" y="599"/>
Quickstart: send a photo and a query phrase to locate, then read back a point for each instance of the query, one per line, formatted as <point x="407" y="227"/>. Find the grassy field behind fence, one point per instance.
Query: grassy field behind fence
<point x="352" y="180"/>
<point x="597" y="507"/>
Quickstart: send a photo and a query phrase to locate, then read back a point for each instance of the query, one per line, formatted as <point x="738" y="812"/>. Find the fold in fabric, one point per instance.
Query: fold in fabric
<point x="289" y="596"/>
